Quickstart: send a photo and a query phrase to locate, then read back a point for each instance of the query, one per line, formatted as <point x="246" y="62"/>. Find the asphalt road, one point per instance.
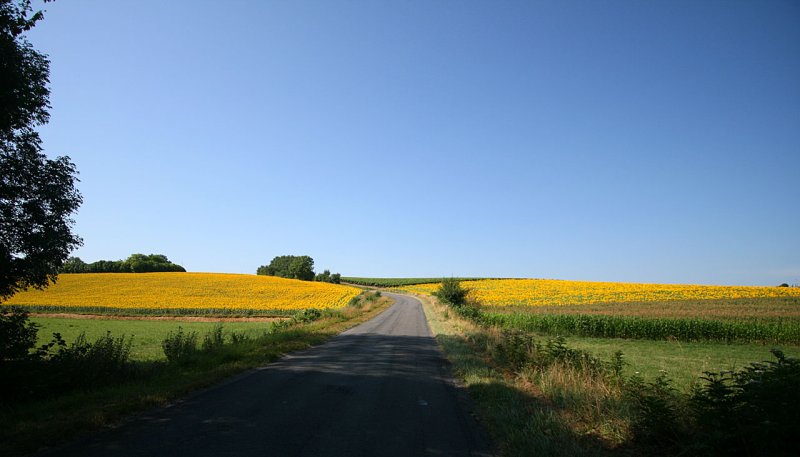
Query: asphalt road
<point x="380" y="389"/>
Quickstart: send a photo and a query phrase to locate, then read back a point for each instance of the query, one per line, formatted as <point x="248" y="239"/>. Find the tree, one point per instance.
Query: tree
<point x="37" y="195"/>
<point x="136" y="263"/>
<point x="289" y="266"/>
<point x="451" y="292"/>
<point x="74" y="265"/>
<point x="140" y="263"/>
<point x="326" y="276"/>
<point x="302" y="268"/>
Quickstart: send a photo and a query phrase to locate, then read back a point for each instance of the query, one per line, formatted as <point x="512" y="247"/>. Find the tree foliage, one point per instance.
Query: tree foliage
<point x="136" y="263"/>
<point x="37" y="195"/>
<point x="289" y="266"/>
<point x="451" y="292"/>
<point x="326" y="276"/>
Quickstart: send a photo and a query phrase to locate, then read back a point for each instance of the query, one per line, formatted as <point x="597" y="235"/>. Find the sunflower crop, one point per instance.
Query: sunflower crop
<point x="547" y="292"/>
<point x="183" y="293"/>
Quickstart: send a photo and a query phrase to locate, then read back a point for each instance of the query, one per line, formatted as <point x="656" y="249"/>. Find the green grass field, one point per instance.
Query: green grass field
<point x="683" y="362"/>
<point x="147" y="334"/>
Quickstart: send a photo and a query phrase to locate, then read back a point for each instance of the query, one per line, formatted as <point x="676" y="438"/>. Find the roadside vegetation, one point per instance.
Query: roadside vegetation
<point x="147" y="333"/>
<point x="94" y="382"/>
<point x="540" y="395"/>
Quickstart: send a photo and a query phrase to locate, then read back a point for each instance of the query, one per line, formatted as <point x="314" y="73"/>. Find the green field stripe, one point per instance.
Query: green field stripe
<point x="591" y="325"/>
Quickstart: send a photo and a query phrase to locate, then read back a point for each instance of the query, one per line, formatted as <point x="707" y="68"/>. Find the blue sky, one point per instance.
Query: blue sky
<point x="637" y="141"/>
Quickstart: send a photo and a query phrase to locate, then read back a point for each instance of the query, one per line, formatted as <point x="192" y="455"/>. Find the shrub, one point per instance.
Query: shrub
<point x="86" y="364"/>
<point x="214" y="339"/>
<point x="659" y="421"/>
<point x="753" y="411"/>
<point x="307" y="315"/>
<point x="17" y="334"/>
<point x="451" y="292"/>
<point x="179" y="347"/>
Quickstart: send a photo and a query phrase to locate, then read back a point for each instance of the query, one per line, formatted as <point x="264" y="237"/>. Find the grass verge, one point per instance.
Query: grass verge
<point x="43" y="423"/>
<point x="146" y="335"/>
<point x="521" y="418"/>
<point x="541" y="396"/>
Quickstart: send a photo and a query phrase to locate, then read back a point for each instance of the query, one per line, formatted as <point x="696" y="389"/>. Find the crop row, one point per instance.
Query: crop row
<point x="604" y="326"/>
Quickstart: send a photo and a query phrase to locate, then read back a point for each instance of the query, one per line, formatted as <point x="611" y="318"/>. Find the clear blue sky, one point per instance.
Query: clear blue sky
<point x="653" y="141"/>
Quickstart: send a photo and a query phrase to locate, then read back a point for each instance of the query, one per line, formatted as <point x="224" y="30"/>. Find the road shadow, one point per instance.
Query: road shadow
<point x="357" y="395"/>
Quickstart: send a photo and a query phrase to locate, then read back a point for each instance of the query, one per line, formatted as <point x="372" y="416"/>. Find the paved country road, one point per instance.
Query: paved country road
<point x="380" y="389"/>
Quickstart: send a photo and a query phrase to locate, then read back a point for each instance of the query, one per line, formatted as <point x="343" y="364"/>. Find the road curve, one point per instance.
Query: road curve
<point x="379" y="389"/>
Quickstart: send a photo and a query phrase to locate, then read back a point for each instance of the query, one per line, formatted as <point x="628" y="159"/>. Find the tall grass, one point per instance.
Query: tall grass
<point x="561" y="401"/>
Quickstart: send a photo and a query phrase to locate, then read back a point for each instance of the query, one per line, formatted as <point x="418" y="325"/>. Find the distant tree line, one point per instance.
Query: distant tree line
<point x="297" y="267"/>
<point x="136" y="263"/>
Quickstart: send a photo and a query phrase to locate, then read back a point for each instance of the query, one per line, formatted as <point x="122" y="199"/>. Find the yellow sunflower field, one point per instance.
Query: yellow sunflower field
<point x="184" y="291"/>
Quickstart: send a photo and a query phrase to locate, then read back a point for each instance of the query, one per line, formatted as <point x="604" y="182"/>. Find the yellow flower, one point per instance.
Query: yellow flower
<point x="165" y="291"/>
<point x="548" y="292"/>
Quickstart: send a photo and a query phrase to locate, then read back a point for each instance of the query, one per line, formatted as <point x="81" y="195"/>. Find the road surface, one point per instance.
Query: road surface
<point x="380" y="389"/>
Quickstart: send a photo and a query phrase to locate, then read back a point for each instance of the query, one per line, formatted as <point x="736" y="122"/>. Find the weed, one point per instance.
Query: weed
<point x="179" y="347"/>
<point x="213" y="339"/>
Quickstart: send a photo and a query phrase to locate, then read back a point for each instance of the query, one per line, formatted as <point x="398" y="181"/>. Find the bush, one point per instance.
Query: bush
<point x="451" y="292"/>
<point x="214" y="339"/>
<point x="84" y="365"/>
<point x="307" y="315"/>
<point x="753" y="411"/>
<point x="17" y="334"/>
<point x="659" y="421"/>
<point x="179" y="347"/>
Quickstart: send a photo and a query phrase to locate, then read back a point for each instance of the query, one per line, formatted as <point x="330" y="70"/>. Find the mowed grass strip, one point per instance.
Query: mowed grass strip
<point x="147" y="335"/>
<point x="682" y="362"/>
<point x="181" y="293"/>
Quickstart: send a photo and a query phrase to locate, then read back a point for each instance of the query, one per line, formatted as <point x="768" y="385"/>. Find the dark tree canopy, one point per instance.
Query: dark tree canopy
<point x="289" y="266"/>
<point x="37" y="195"/>
<point x="136" y="263"/>
<point x="326" y="276"/>
<point x="297" y="267"/>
